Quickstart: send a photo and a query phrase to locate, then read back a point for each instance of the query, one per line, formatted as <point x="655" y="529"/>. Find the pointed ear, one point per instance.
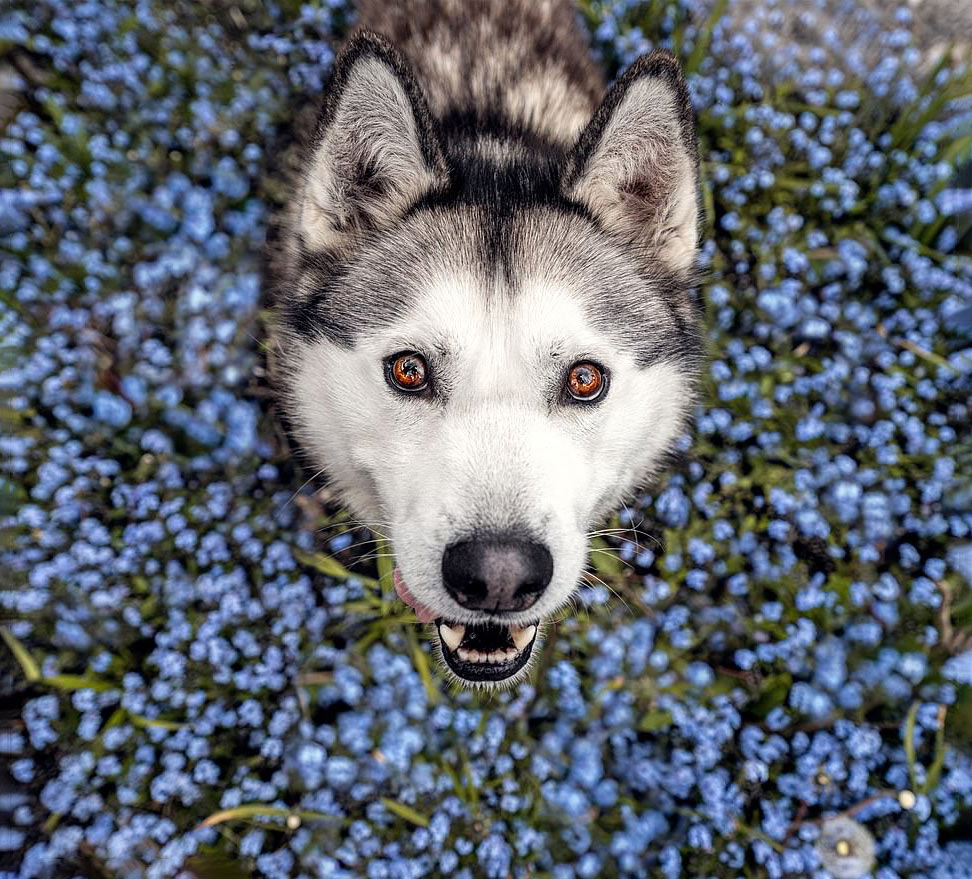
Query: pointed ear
<point x="636" y="164"/>
<point x="376" y="150"/>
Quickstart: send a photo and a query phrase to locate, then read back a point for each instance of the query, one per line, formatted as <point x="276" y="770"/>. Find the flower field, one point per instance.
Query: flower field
<point x="205" y="672"/>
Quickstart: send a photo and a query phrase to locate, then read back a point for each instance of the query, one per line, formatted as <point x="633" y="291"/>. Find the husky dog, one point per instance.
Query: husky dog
<point x="486" y="331"/>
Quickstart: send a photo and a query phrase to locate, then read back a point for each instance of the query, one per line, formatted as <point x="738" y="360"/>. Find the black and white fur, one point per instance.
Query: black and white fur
<point x="470" y="192"/>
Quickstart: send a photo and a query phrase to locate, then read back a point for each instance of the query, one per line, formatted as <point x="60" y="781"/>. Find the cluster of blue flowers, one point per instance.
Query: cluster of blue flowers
<point x="781" y="684"/>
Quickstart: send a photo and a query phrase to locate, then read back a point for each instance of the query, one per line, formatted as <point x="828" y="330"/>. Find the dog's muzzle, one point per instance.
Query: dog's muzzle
<point x="491" y="651"/>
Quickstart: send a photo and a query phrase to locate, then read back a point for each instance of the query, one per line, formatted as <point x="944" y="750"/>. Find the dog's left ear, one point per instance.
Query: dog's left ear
<point x="376" y="151"/>
<point x="636" y="163"/>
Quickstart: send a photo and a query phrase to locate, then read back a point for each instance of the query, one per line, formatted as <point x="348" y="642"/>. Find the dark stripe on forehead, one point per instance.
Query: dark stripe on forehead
<point x="499" y="167"/>
<point x="498" y="190"/>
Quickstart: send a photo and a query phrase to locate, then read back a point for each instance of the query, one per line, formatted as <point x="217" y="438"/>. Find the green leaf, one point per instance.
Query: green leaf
<point x="654" y="721"/>
<point x="938" y="761"/>
<point x="957" y="151"/>
<point x="30" y="668"/>
<point x="261" y="810"/>
<point x="78" y="682"/>
<point x="330" y="566"/>
<point x="909" y="126"/>
<point x="385" y="564"/>
<point x="909" y="744"/>
<point x="422" y="665"/>
<point x="405" y="812"/>
<point x="772" y="692"/>
<point x="153" y="722"/>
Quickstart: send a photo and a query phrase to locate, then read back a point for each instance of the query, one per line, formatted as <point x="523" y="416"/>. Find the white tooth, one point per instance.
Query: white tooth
<point x="522" y="637"/>
<point x="452" y="636"/>
<point x="471" y="655"/>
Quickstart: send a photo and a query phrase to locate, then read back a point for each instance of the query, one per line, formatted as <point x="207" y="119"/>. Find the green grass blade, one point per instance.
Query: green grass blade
<point x="330" y="567"/>
<point x="938" y="761"/>
<point x="422" y="665"/>
<point x="152" y="722"/>
<point x="260" y="810"/>
<point x="30" y="668"/>
<point x="78" y="682"/>
<point x="386" y="565"/>
<point x="909" y="744"/>
<point x="407" y="813"/>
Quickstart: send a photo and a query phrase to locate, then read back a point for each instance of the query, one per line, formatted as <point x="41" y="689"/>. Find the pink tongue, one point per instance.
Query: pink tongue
<point x="423" y="613"/>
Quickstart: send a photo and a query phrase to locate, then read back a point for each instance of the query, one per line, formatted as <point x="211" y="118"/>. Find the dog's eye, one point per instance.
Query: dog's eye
<point x="586" y="381"/>
<point x="407" y="372"/>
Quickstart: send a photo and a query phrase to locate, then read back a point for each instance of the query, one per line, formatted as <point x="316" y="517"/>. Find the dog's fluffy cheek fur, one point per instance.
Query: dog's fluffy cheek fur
<point x="340" y="416"/>
<point x="648" y="409"/>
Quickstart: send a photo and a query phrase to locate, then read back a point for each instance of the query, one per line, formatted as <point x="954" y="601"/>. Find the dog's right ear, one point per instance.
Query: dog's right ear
<point x="636" y="164"/>
<point x="376" y="150"/>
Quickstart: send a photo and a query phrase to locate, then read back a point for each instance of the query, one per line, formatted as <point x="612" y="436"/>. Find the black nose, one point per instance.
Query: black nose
<point x="496" y="573"/>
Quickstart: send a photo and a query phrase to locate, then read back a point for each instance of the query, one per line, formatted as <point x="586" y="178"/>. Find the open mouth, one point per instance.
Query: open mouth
<point x="487" y="652"/>
<point x="479" y="653"/>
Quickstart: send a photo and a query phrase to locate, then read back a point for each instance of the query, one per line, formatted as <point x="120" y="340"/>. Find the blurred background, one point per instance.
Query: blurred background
<point x="204" y="670"/>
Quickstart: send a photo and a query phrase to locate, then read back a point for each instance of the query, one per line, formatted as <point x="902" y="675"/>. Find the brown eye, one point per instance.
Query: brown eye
<point x="408" y="372"/>
<point x="585" y="381"/>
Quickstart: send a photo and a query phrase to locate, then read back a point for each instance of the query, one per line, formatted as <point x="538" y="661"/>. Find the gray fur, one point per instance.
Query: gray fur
<point x="522" y="60"/>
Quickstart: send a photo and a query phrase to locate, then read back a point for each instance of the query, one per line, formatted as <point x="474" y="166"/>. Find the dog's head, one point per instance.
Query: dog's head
<point x="488" y="346"/>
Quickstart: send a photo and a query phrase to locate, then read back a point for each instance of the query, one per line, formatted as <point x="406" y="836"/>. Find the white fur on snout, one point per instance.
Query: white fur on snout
<point x="499" y="452"/>
<point x="496" y="468"/>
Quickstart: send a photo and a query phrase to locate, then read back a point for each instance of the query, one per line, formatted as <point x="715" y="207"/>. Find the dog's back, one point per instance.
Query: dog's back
<point x="521" y="65"/>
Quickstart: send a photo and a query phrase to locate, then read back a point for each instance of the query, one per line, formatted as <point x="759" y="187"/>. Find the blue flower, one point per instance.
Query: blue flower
<point x="959" y="668"/>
